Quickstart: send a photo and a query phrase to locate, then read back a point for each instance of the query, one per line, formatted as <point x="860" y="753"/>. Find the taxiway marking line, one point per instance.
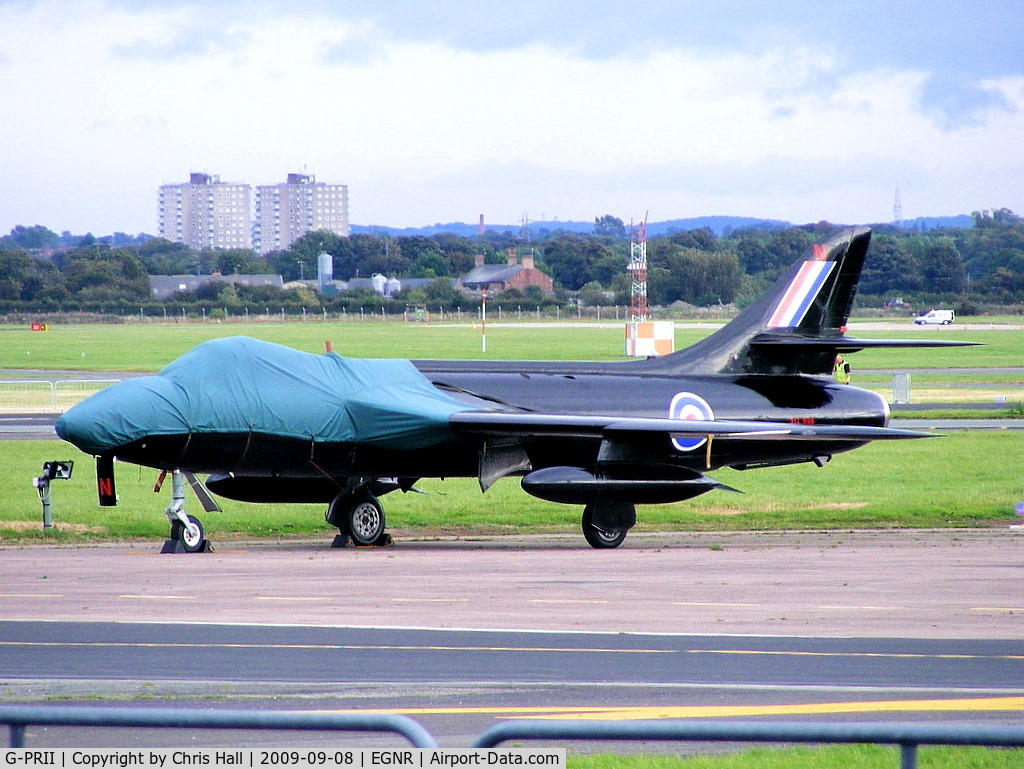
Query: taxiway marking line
<point x="629" y="713"/>
<point x="326" y="647"/>
<point x="886" y="655"/>
<point x="323" y="599"/>
<point x="430" y="600"/>
<point x="160" y="597"/>
<point x="564" y="600"/>
<point x="553" y="649"/>
<point x="31" y="595"/>
<point x="998" y="610"/>
<point x="768" y="607"/>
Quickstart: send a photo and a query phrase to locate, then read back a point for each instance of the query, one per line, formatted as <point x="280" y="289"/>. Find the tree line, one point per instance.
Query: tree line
<point x="966" y="267"/>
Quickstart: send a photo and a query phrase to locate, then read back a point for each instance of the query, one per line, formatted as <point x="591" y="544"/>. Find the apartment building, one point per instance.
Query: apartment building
<point x="206" y="213"/>
<point x="285" y="212"/>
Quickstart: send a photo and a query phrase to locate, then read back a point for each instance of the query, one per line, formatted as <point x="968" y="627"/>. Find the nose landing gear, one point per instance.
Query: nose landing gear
<point x="187" y="535"/>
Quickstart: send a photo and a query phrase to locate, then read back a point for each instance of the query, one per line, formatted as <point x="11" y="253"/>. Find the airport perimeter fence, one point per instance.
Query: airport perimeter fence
<point x="907" y="736"/>
<point x="45" y="396"/>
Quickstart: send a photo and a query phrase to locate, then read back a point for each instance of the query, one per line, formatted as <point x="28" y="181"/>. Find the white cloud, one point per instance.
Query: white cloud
<point x="107" y="104"/>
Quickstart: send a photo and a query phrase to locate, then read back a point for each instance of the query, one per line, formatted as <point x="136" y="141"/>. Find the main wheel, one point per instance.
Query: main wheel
<point x="192" y="536"/>
<point x="599" y="538"/>
<point x="364" y="519"/>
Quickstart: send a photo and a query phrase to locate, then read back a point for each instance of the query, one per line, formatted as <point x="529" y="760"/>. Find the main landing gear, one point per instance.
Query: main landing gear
<point x="358" y="515"/>
<point x="605" y="525"/>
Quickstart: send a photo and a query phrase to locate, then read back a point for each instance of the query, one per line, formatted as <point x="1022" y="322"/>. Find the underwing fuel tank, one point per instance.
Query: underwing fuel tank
<point x="576" y="486"/>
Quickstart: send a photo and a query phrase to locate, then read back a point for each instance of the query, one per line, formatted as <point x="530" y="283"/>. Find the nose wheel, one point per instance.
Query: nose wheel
<point x="187" y="534"/>
<point x="187" y="537"/>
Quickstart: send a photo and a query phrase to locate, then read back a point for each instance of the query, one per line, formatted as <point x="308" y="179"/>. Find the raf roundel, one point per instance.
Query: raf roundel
<point x="689" y="406"/>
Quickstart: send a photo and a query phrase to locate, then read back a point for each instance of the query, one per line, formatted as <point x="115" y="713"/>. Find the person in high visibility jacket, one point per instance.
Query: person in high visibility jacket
<point x="841" y="370"/>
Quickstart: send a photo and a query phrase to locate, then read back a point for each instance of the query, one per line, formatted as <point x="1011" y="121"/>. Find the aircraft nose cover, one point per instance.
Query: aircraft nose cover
<point x="243" y="385"/>
<point x="121" y="414"/>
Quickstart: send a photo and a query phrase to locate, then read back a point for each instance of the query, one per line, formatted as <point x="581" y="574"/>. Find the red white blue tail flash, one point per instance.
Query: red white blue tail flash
<point x="801" y="294"/>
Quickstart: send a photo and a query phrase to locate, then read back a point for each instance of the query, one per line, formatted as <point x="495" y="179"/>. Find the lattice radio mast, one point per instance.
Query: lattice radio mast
<point x="897" y="210"/>
<point x="638" y="272"/>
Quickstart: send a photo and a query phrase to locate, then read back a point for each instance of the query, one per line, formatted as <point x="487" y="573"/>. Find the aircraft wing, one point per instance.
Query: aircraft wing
<point x="531" y="424"/>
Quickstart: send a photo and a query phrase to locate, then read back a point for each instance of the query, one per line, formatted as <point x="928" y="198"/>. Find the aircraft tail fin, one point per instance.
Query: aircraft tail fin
<point x="796" y="327"/>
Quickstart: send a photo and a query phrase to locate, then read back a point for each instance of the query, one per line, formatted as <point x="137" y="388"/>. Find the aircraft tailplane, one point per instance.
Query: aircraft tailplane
<point x="796" y="327"/>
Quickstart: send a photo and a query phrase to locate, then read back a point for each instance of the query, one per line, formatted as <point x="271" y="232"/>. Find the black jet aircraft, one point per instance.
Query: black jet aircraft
<point x="272" y="424"/>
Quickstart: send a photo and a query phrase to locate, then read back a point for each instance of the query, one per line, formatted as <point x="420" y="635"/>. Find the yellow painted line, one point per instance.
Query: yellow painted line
<point x="998" y="610"/>
<point x="329" y="647"/>
<point x="157" y="552"/>
<point x="564" y="600"/>
<point x="31" y="595"/>
<point x="291" y="598"/>
<point x="1003" y="704"/>
<point x="160" y="597"/>
<point x="545" y="649"/>
<point x="430" y="600"/>
<point x="884" y="655"/>
<point x="479" y="711"/>
<point x="988" y="704"/>
<point x="756" y="605"/>
<point x="151" y="645"/>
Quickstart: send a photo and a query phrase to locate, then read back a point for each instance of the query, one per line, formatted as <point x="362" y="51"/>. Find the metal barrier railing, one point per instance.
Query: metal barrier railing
<point x="19" y="717"/>
<point x="907" y="736"/>
<point x="44" y="395"/>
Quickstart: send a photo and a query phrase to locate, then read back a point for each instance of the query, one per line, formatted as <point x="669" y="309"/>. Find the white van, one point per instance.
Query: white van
<point x="935" y="317"/>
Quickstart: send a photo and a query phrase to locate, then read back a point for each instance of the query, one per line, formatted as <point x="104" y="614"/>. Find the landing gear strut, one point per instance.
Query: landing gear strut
<point x="187" y="535"/>
<point x="358" y="514"/>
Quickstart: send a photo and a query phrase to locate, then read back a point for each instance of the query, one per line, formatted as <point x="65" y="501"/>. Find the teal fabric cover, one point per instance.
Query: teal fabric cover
<point x="239" y="384"/>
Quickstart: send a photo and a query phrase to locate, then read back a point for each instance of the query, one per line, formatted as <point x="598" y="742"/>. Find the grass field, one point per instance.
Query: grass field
<point x="147" y="347"/>
<point x="150" y="346"/>
<point x="832" y="757"/>
<point x="964" y="479"/>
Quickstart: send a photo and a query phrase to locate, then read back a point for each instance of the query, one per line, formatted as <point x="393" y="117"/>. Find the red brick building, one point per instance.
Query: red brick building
<point x="516" y="273"/>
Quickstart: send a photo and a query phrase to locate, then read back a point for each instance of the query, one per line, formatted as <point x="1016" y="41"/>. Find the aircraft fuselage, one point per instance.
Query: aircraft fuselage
<point x="307" y="470"/>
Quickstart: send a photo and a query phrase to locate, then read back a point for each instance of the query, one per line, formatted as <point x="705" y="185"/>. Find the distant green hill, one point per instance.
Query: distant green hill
<point x="720" y="225"/>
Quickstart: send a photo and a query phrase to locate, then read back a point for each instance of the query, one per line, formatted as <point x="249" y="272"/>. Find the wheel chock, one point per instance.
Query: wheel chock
<point x="177" y="546"/>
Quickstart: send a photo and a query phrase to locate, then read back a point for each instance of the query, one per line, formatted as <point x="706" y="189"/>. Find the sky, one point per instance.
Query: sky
<point x="441" y="111"/>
